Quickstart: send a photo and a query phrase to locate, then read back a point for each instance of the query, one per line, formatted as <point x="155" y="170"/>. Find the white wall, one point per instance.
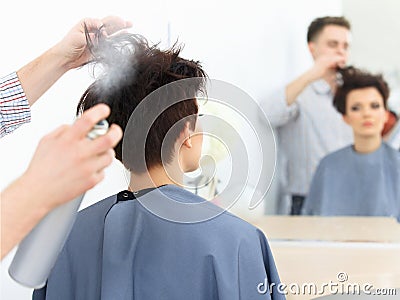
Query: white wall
<point x="375" y="27"/>
<point x="256" y="45"/>
<point x="376" y="43"/>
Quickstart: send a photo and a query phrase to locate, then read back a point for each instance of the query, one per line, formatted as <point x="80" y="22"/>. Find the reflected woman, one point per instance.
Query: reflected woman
<point x="361" y="179"/>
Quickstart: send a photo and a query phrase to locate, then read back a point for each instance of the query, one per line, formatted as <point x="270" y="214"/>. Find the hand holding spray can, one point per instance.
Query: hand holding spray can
<point x="38" y="252"/>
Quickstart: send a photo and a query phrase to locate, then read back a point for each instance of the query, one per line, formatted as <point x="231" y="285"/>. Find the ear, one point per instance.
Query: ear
<point x="186" y="135"/>
<point x="346" y="119"/>
<point x="311" y="48"/>
<point x="386" y="117"/>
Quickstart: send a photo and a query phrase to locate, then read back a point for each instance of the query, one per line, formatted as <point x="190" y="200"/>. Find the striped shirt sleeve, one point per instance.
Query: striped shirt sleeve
<point x="276" y="108"/>
<point x="14" y="106"/>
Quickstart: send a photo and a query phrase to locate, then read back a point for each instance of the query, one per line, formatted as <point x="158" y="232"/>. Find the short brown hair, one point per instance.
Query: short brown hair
<point x="144" y="69"/>
<point x="352" y="79"/>
<point x="319" y="24"/>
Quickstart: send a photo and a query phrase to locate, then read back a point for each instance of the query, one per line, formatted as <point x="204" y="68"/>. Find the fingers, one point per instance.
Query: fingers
<point x="58" y="132"/>
<point x="109" y="24"/>
<point x="96" y="166"/>
<point x="332" y="62"/>
<point x="94" y="179"/>
<point x="341" y="63"/>
<point x="104" y="160"/>
<point x="92" y="24"/>
<point x="339" y="60"/>
<point x="107" y="141"/>
<point x="113" y="24"/>
<point x="101" y="155"/>
<point x="89" y="118"/>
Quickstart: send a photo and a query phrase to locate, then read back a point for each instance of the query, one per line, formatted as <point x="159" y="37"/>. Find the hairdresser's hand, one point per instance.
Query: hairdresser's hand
<point x="64" y="166"/>
<point x="325" y="66"/>
<point x="66" y="163"/>
<point x="71" y="52"/>
<point x="73" y="47"/>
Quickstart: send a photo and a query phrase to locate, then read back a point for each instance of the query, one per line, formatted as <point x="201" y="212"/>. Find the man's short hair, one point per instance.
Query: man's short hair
<point x="133" y="69"/>
<point x="319" y="24"/>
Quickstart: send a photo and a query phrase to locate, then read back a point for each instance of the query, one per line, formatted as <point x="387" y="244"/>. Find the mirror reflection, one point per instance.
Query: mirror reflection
<point x="314" y="123"/>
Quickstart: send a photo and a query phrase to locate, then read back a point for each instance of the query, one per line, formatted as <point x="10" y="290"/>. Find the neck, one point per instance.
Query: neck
<point x="369" y="144"/>
<point x="155" y="177"/>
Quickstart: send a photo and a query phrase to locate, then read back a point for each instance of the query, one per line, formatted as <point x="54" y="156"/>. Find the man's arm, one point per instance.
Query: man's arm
<point x="280" y="107"/>
<point x="14" y="107"/>
<point x="323" y="68"/>
<point x="64" y="166"/>
<point x="294" y="88"/>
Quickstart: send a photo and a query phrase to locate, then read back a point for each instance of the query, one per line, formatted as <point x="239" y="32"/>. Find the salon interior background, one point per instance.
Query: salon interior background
<point x="256" y="45"/>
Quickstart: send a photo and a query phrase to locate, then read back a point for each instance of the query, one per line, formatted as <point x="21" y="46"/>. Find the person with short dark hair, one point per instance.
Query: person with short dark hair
<point x="362" y="179"/>
<point x="131" y="245"/>
<point x="302" y="112"/>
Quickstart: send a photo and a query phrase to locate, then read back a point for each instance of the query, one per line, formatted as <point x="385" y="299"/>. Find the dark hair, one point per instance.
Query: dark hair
<point x="353" y="78"/>
<point x="316" y="26"/>
<point x="132" y="69"/>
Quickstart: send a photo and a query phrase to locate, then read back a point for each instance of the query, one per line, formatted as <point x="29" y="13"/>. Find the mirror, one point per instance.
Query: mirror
<point x="372" y="49"/>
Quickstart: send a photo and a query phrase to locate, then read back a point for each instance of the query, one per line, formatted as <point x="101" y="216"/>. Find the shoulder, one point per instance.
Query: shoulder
<point x="233" y="228"/>
<point x="94" y="214"/>
<point x="391" y="153"/>
<point x="101" y="205"/>
<point x="222" y="222"/>
<point x="334" y="157"/>
<point x="88" y="226"/>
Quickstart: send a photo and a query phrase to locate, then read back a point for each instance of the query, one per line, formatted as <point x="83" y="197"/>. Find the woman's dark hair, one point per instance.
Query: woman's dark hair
<point x="131" y="70"/>
<point x="352" y="79"/>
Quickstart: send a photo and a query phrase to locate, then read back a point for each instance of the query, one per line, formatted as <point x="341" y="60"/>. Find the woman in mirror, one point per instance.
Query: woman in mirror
<point x="362" y="179"/>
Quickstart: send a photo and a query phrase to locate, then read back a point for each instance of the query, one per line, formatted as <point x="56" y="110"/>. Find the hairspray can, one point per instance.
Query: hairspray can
<point x="38" y="252"/>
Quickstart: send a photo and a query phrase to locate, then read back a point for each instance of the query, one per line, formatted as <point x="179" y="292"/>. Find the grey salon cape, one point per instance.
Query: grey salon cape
<point x="119" y="249"/>
<point x="350" y="183"/>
